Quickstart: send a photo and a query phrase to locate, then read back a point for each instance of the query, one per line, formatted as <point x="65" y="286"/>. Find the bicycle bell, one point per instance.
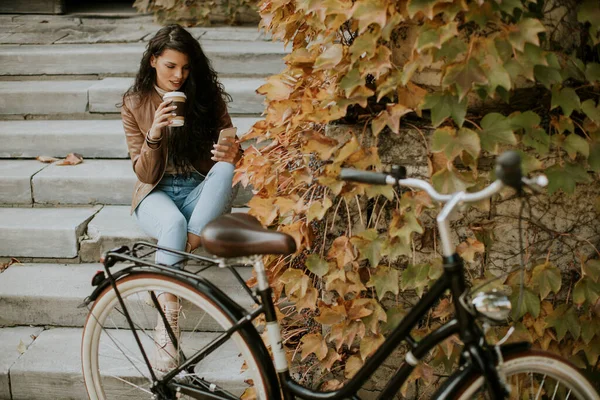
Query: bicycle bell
<point x="493" y="306"/>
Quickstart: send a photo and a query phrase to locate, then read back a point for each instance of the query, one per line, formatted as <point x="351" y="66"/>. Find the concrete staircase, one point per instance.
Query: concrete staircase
<point x="60" y="81"/>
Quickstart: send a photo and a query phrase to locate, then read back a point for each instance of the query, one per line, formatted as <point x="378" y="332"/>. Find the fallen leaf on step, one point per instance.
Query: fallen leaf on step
<point x="33" y="337"/>
<point x="46" y="159"/>
<point x="22" y="347"/>
<point x="71" y="159"/>
<point x="12" y="261"/>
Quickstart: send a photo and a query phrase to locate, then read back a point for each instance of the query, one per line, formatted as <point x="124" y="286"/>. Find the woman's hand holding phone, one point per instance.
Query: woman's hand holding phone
<point x="227" y="148"/>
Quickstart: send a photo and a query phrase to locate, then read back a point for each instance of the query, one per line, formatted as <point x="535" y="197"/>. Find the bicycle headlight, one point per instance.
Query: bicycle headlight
<point x="494" y="306"/>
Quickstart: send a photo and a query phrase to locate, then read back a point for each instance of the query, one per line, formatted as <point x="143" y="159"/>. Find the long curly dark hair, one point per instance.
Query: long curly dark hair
<point x="206" y="96"/>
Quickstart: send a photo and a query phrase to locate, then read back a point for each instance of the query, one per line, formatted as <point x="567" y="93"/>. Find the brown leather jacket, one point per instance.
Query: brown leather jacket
<point x="150" y="162"/>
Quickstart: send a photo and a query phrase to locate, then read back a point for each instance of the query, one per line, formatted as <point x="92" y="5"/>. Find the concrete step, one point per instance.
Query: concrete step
<point x="49" y="294"/>
<point x="90" y="138"/>
<point x="233" y="58"/>
<point x="109" y="91"/>
<point x="12" y="342"/>
<point x="102" y="96"/>
<point x="43" y="232"/>
<point x="91" y="182"/>
<point x="50" y="369"/>
<point x="111" y="227"/>
<point x="15" y="180"/>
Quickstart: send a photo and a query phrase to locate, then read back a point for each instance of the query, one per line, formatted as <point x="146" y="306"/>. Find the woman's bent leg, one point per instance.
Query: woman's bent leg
<point x="160" y="218"/>
<point x="210" y="199"/>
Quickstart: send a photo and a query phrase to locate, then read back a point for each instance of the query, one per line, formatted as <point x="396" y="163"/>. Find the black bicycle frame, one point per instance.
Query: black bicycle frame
<point x="463" y="324"/>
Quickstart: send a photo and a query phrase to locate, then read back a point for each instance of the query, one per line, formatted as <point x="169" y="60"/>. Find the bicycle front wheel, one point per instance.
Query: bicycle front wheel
<point x="534" y="374"/>
<point x="114" y="366"/>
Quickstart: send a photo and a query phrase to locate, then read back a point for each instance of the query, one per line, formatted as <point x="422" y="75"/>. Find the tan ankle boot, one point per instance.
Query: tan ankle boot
<point x="166" y="355"/>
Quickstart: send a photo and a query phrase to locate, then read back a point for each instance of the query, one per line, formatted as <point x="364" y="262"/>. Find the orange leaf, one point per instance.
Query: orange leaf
<point x="46" y="159"/>
<point x="71" y="159"/>
<point x="468" y="249"/>
<point x="342" y="251"/>
<point x="331" y="316"/>
<point x="330" y="359"/>
<point x="275" y="89"/>
<point x="263" y="209"/>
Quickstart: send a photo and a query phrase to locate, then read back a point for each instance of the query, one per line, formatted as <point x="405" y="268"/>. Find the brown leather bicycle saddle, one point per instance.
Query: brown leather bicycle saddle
<point x="239" y="234"/>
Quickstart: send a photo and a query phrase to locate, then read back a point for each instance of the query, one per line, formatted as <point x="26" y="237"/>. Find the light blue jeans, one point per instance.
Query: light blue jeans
<point x="179" y="205"/>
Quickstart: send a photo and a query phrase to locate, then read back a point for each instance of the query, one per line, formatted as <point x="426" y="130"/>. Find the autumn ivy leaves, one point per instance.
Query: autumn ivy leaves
<point x="375" y="62"/>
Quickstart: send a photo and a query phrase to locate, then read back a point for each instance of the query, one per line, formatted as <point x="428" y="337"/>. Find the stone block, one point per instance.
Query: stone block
<point x="15" y="180"/>
<point x="42" y="232"/>
<point x="91" y="182"/>
<point x="10" y="340"/>
<point x="90" y="138"/>
<point x="43" y="97"/>
<point x="32" y="38"/>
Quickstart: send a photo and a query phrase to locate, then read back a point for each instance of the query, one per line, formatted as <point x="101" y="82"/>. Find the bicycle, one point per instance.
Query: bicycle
<point x="489" y="371"/>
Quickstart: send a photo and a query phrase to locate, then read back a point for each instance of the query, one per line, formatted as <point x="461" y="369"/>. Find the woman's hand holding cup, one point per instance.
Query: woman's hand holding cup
<point x="161" y="119"/>
<point x="226" y="150"/>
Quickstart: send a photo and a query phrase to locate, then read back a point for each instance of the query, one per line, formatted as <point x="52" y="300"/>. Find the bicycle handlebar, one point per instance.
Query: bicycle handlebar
<point x="508" y="171"/>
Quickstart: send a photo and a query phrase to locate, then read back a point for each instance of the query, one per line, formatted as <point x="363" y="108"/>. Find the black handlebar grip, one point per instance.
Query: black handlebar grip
<point x="508" y="169"/>
<point x="355" y="175"/>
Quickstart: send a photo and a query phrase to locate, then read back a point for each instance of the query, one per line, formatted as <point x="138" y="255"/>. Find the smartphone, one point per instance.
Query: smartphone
<point x="226" y="133"/>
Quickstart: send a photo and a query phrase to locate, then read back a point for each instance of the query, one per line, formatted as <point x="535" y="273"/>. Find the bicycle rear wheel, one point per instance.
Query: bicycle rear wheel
<point x="113" y="363"/>
<point x="534" y="374"/>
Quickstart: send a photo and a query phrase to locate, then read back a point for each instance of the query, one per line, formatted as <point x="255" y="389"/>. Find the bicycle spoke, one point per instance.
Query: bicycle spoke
<point x="537" y="396"/>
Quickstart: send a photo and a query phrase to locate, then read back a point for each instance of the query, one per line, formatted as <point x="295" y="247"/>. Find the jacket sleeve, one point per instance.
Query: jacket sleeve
<point x="148" y="161"/>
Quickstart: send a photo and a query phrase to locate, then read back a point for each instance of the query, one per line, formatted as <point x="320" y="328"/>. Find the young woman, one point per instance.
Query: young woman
<point x="184" y="177"/>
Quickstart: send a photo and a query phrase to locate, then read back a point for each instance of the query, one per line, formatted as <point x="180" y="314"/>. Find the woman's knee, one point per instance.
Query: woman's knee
<point x="177" y="223"/>
<point x="222" y="168"/>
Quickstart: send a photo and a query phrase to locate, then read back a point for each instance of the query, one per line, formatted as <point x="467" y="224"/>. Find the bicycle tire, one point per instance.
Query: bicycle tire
<point x="110" y="375"/>
<point x="525" y="364"/>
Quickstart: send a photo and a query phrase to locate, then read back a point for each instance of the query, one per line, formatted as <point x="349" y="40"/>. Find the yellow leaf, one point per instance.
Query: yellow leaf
<point x="353" y="364"/>
<point x="370" y="344"/>
<point x="347" y="150"/>
<point x="318" y="209"/>
<point x="369" y="12"/>
<point x="263" y="209"/>
<point x="331" y="316"/>
<point x="330" y="359"/>
<point x="309" y="300"/>
<point x="314" y="343"/>
<point x="330" y="57"/>
<point x="411" y="96"/>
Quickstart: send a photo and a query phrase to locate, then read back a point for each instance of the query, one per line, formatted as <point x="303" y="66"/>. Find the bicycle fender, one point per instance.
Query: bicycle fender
<point x="458" y="379"/>
<point x="233" y="310"/>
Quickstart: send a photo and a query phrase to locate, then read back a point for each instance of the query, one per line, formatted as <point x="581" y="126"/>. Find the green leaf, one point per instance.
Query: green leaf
<point x="592" y="72"/>
<point x="546" y="278"/>
<point x="589" y="329"/>
<point x="449" y="180"/>
<point x="394" y="317"/>
<point x="416" y="276"/>
<point x="526" y="121"/>
<point x="433" y="36"/>
<point x="564" y="319"/>
<point x="369" y="245"/>
<point x="496" y="130"/>
<point x="364" y="44"/>
<point x="351" y="81"/>
<point x="395" y="248"/>
<point x="317" y="265"/>
<point x="576" y="144"/>
<point x="403" y="225"/>
<point x="575" y="68"/>
<point x="424" y="6"/>
<point x="591" y="269"/>
<point x="590" y="12"/>
<point x="565" y="124"/>
<point x="530" y="303"/>
<point x="590" y="109"/>
<point x="385" y="279"/>
<point x="594" y="158"/>
<point x="525" y="31"/>
<point x="566" y="98"/>
<point x="565" y="178"/>
<point x="444" y="105"/>
<point x="547" y="76"/>
<point x="464" y="76"/>
<point x="453" y="143"/>
<point x="450" y="50"/>
<point x="508" y="6"/>
<point x="586" y="290"/>
<point x="538" y="139"/>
